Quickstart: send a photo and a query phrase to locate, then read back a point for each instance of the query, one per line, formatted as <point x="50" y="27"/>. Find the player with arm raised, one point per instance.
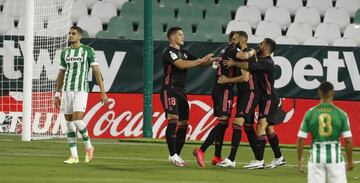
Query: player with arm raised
<point x="263" y="67"/>
<point x="75" y="62"/>
<point x="222" y="96"/>
<point x="326" y="123"/>
<point x="176" y="61"/>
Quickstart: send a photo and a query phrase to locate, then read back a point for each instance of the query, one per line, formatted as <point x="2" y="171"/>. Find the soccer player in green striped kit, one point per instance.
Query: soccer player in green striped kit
<point x="326" y="123"/>
<point x="75" y="62"/>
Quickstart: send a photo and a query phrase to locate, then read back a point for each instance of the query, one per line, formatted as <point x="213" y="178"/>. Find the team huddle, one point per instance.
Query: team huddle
<point x="251" y="71"/>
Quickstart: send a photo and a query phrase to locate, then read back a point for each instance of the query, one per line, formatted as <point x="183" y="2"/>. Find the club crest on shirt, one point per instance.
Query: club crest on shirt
<point x="173" y="55"/>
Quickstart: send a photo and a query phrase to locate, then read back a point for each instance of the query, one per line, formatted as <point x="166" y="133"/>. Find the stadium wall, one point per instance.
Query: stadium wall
<point x="299" y="71"/>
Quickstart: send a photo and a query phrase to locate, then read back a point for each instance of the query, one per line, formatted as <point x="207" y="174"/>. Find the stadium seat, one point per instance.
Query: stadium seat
<point x="235" y="25"/>
<point x="85" y="34"/>
<point x="286" y="40"/>
<point x="291" y="5"/>
<point x="91" y="24"/>
<point x="57" y="20"/>
<point x="6" y="22"/>
<point x="118" y="3"/>
<point x="330" y="32"/>
<point x="132" y="12"/>
<point x="316" y="41"/>
<point x="231" y="5"/>
<point x="268" y="29"/>
<point x="37" y="26"/>
<point x="217" y="14"/>
<point x="255" y="39"/>
<point x="320" y="5"/>
<point x="106" y="35"/>
<point x="338" y="16"/>
<point x="350" y="5"/>
<point x="299" y="31"/>
<point x="309" y="16"/>
<point x="194" y="37"/>
<point x="357" y="17"/>
<point x="15" y="31"/>
<point x="192" y="14"/>
<point x="211" y="31"/>
<point x="163" y="15"/>
<point x="203" y="4"/>
<point x="79" y="9"/>
<point x="14" y="8"/>
<point x="262" y="5"/>
<point x="352" y="31"/>
<point x="249" y="14"/>
<point x="122" y="27"/>
<point x="89" y="3"/>
<point x="279" y="15"/>
<point x="104" y="10"/>
<point x="173" y="4"/>
<point x="345" y="42"/>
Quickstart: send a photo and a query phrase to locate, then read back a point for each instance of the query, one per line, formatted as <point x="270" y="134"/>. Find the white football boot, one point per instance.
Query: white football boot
<point x="226" y="163"/>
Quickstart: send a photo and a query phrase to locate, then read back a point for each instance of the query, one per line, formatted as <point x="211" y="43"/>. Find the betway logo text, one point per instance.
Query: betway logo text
<point x="332" y="63"/>
<point x="10" y="54"/>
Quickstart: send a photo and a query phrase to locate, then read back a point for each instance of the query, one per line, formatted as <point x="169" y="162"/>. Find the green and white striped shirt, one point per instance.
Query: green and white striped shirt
<point x="76" y="63"/>
<point x="326" y="123"/>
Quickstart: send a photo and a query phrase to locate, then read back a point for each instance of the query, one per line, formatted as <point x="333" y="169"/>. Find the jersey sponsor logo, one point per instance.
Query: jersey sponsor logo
<point x="73" y="59"/>
<point x="173" y="55"/>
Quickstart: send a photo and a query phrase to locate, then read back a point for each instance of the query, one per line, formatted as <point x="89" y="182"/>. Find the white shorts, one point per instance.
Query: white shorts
<point x="330" y="173"/>
<point x="73" y="101"/>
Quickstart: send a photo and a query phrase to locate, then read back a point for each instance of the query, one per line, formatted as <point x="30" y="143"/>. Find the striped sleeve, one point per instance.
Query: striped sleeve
<point x="62" y="60"/>
<point x="92" y="58"/>
<point x="304" y="128"/>
<point x="346" y="133"/>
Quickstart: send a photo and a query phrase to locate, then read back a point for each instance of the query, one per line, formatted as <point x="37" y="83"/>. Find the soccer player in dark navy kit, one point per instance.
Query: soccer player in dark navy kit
<point x="222" y="96"/>
<point x="263" y="67"/>
<point x="176" y="61"/>
<point x="246" y="103"/>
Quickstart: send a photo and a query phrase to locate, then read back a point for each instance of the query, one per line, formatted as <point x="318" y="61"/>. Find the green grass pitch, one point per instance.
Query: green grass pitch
<point x="129" y="161"/>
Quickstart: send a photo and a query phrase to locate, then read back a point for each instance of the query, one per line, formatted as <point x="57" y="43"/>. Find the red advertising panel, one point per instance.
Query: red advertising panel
<point x="123" y="117"/>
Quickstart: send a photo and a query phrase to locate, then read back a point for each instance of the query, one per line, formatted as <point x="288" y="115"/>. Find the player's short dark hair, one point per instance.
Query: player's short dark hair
<point x="172" y="30"/>
<point x="77" y="28"/>
<point x="231" y="35"/>
<point x="242" y="34"/>
<point x="326" y="87"/>
<point x="271" y="43"/>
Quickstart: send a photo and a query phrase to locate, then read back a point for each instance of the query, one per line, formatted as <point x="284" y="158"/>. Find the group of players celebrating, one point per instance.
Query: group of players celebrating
<point x="253" y="73"/>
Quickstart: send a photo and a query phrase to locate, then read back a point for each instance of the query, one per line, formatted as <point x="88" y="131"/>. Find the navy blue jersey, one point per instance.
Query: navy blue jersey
<point x="174" y="76"/>
<point x="229" y="51"/>
<point x="264" y="69"/>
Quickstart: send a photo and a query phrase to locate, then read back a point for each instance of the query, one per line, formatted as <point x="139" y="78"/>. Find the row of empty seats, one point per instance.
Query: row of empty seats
<point x="287" y="21"/>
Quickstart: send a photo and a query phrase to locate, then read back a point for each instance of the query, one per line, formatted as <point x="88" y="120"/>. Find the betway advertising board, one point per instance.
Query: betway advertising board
<point x="299" y="71"/>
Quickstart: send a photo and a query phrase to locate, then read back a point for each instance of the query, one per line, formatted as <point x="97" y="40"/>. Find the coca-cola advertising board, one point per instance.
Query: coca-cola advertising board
<point x="123" y="117"/>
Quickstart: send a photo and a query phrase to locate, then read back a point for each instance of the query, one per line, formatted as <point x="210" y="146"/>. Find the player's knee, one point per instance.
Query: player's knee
<point x="239" y="121"/>
<point x="270" y="130"/>
<point x="172" y="118"/>
<point x="182" y="123"/>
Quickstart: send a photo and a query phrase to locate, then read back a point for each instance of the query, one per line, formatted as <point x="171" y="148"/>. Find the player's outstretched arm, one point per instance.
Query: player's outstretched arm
<point x="185" y="64"/>
<point x="99" y="81"/>
<point x="245" y="55"/>
<point x="59" y="84"/>
<point x="239" y="79"/>
<point x="348" y="149"/>
<point x="300" y="149"/>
